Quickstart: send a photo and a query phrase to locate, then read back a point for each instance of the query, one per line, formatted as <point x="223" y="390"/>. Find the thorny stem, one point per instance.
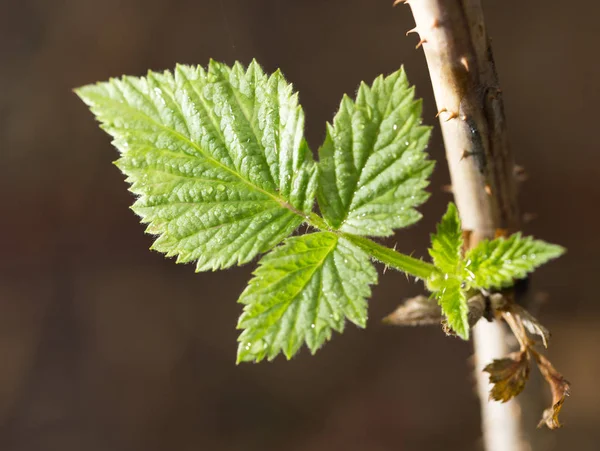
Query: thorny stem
<point x="401" y="262"/>
<point x="465" y="84"/>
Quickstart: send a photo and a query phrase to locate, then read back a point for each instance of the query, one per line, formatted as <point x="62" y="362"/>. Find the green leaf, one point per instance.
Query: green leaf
<point x="446" y="252"/>
<point x="447" y="243"/>
<point x="373" y="168"/>
<point x="497" y="263"/>
<point x="302" y="291"/>
<point x="217" y="158"/>
<point x="453" y="301"/>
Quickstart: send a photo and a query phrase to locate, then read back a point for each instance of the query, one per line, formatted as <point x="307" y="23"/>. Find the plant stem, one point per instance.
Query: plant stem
<point x="410" y="265"/>
<point x="394" y="259"/>
<point x="466" y="89"/>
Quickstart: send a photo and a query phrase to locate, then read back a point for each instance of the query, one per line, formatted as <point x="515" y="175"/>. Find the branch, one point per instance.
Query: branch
<point x="465" y="84"/>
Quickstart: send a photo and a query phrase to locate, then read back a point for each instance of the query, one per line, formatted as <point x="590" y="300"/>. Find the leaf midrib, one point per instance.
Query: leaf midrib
<point x="286" y="305"/>
<point x="250" y="120"/>
<point x="283" y="202"/>
<point x="360" y="171"/>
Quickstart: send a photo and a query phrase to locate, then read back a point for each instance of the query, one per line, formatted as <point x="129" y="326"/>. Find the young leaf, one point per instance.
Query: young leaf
<point x="446" y="285"/>
<point x="447" y="243"/>
<point x="453" y="301"/>
<point x="217" y="158"/>
<point x="497" y="263"/>
<point x="302" y="291"/>
<point x="373" y="169"/>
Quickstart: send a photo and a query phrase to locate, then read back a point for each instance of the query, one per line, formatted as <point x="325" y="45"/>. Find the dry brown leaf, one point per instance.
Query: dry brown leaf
<point x="560" y="390"/>
<point x="533" y="326"/>
<point x="509" y="376"/>
<point x="424" y="311"/>
<point x="417" y="311"/>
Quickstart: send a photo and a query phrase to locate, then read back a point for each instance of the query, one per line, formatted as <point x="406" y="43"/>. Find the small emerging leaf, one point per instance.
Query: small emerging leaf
<point x="497" y="263"/>
<point x="446" y="284"/>
<point x="453" y="301"/>
<point x="302" y="291"/>
<point x="217" y="158"/>
<point x="508" y="376"/>
<point x="373" y="168"/>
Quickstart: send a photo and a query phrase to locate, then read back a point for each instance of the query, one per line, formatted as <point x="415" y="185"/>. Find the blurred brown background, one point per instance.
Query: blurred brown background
<point x="105" y="345"/>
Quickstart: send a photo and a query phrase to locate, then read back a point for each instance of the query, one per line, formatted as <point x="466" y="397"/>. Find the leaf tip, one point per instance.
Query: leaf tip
<point x="558" y="251"/>
<point x="84" y="92"/>
<point x="462" y="330"/>
<point x="452" y="210"/>
<point x="243" y="356"/>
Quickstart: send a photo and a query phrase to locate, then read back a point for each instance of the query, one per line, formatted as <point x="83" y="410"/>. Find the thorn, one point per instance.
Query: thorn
<point x="451" y="115"/>
<point x="421" y="42"/>
<point x="465" y="63"/>
<point x="397" y="2"/>
<point x="528" y="217"/>
<point x="500" y="233"/>
<point x="518" y="169"/>
<point x="447" y="189"/>
<point x="466" y="154"/>
<point x="488" y="190"/>
<point x="520" y="174"/>
<point x="466" y="235"/>
<point x="494" y="95"/>
<point x="385" y="268"/>
<point x="472" y="360"/>
<point x="541" y="297"/>
<point x="412" y="30"/>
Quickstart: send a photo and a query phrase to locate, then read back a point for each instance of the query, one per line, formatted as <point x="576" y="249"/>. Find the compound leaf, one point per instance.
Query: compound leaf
<point x="373" y="168"/>
<point x="497" y="263"/>
<point x="300" y="292"/>
<point x="217" y="158"/>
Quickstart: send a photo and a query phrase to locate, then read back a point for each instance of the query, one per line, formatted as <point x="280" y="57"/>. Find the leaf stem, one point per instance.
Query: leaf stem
<point x="394" y="259"/>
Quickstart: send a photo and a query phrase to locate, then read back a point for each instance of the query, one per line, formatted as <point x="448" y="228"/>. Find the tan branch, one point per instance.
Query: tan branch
<point x="465" y="84"/>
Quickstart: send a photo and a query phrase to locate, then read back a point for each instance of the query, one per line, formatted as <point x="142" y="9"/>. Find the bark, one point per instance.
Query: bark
<point x="469" y="100"/>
